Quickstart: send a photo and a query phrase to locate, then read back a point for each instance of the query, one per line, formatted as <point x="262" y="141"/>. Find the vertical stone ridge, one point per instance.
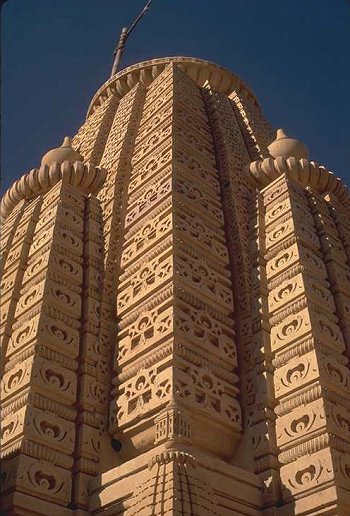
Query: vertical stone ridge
<point x="8" y="231"/>
<point x="334" y="228"/>
<point x="46" y="335"/>
<point x="263" y="431"/>
<point x="177" y="300"/>
<point x="203" y="295"/>
<point x="145" y="191"/>
<point x="258" y="132"/>
<point x="308" y="349"/>
<point x="16" y="237"/>
<point x="116" y="158"/>
<point x="92" y="136"/>
<point x="92" y="388"/>
<point x="244" y="230"/>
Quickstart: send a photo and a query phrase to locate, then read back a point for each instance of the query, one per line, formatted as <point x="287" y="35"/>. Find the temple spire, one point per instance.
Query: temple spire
<point x="125" y="33"/>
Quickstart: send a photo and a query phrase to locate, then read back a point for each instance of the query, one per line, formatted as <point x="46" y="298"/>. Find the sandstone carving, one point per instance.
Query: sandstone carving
<point x="176" y="311"/>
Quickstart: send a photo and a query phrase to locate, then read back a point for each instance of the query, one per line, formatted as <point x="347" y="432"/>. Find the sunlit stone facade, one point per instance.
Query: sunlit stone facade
<point x="176" y="311"/>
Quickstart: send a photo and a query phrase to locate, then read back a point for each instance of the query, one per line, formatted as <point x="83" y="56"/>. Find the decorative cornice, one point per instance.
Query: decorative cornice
<point x="312" y="446"/>
<point x="198" y="69"/>
<point x="44" y="352"/>
<point x="309" y="395"/>
<point x="39" y="401"/>
<point x="86" y="177"/>
<point x="307" y="173"/>
<point x="151" y="359"/>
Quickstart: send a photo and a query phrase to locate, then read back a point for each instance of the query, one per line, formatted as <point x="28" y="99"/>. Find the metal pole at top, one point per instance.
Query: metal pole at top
<point x="125" y="33"/>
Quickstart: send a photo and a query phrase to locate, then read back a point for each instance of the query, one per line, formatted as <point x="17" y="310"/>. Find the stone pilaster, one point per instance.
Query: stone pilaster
<point x="92" y="136"/>
<point x="174" y="299"/>
<point x="333" y="224"/>
<point x="42" y="357"/>
<point x="16" y="237"/>
<point x="311" y="378"/>
<point x="92" y="388"/>
<point x="41" y="432"/>
<point x="117" y="157"/>
<point x="236" y="144"/>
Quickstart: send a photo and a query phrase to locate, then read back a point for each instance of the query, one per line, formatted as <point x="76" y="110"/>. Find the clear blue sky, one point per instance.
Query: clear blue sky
<point x="294" y="54"/>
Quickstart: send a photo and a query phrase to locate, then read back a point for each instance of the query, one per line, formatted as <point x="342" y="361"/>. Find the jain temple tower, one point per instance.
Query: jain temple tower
<point x="176" y="311"/>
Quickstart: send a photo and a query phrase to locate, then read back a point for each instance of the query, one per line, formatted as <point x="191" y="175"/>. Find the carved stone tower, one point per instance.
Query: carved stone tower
<point x="176" y="311"/>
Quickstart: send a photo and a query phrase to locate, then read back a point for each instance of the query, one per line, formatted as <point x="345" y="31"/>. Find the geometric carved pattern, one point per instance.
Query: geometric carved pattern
<point x="179" y="303"/>
<point x="44" y="351"/>
<point x="307" y="345"/>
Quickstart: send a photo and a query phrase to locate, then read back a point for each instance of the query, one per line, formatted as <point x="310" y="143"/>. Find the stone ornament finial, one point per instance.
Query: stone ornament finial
<point x="63" y="153"/>
<point x="286" y="147"/>
<point x="262" y="172"/>
<point x="60" y="163"/>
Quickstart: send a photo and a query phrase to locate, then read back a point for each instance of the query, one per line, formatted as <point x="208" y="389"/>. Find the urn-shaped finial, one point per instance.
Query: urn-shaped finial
<point x="63" y="153"/>
<point x="286" y="147"/>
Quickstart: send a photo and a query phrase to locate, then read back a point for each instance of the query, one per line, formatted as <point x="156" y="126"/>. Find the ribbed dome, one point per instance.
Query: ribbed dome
<point x="61" y="154"/>
<point x="286" y="147"/>
<point x="199" y="70"/>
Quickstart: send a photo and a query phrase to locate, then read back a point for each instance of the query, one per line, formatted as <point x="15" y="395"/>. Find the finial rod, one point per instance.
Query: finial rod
<point x="125" y="33"/>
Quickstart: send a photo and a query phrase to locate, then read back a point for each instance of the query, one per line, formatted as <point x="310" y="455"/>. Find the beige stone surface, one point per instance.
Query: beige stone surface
<point x="175" y="311"/>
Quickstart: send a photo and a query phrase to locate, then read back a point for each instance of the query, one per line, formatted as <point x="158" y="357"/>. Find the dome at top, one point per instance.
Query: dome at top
<point x="61" y="154"/>
<point x="199" y="70"/>
<point x="286" y="147"/>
